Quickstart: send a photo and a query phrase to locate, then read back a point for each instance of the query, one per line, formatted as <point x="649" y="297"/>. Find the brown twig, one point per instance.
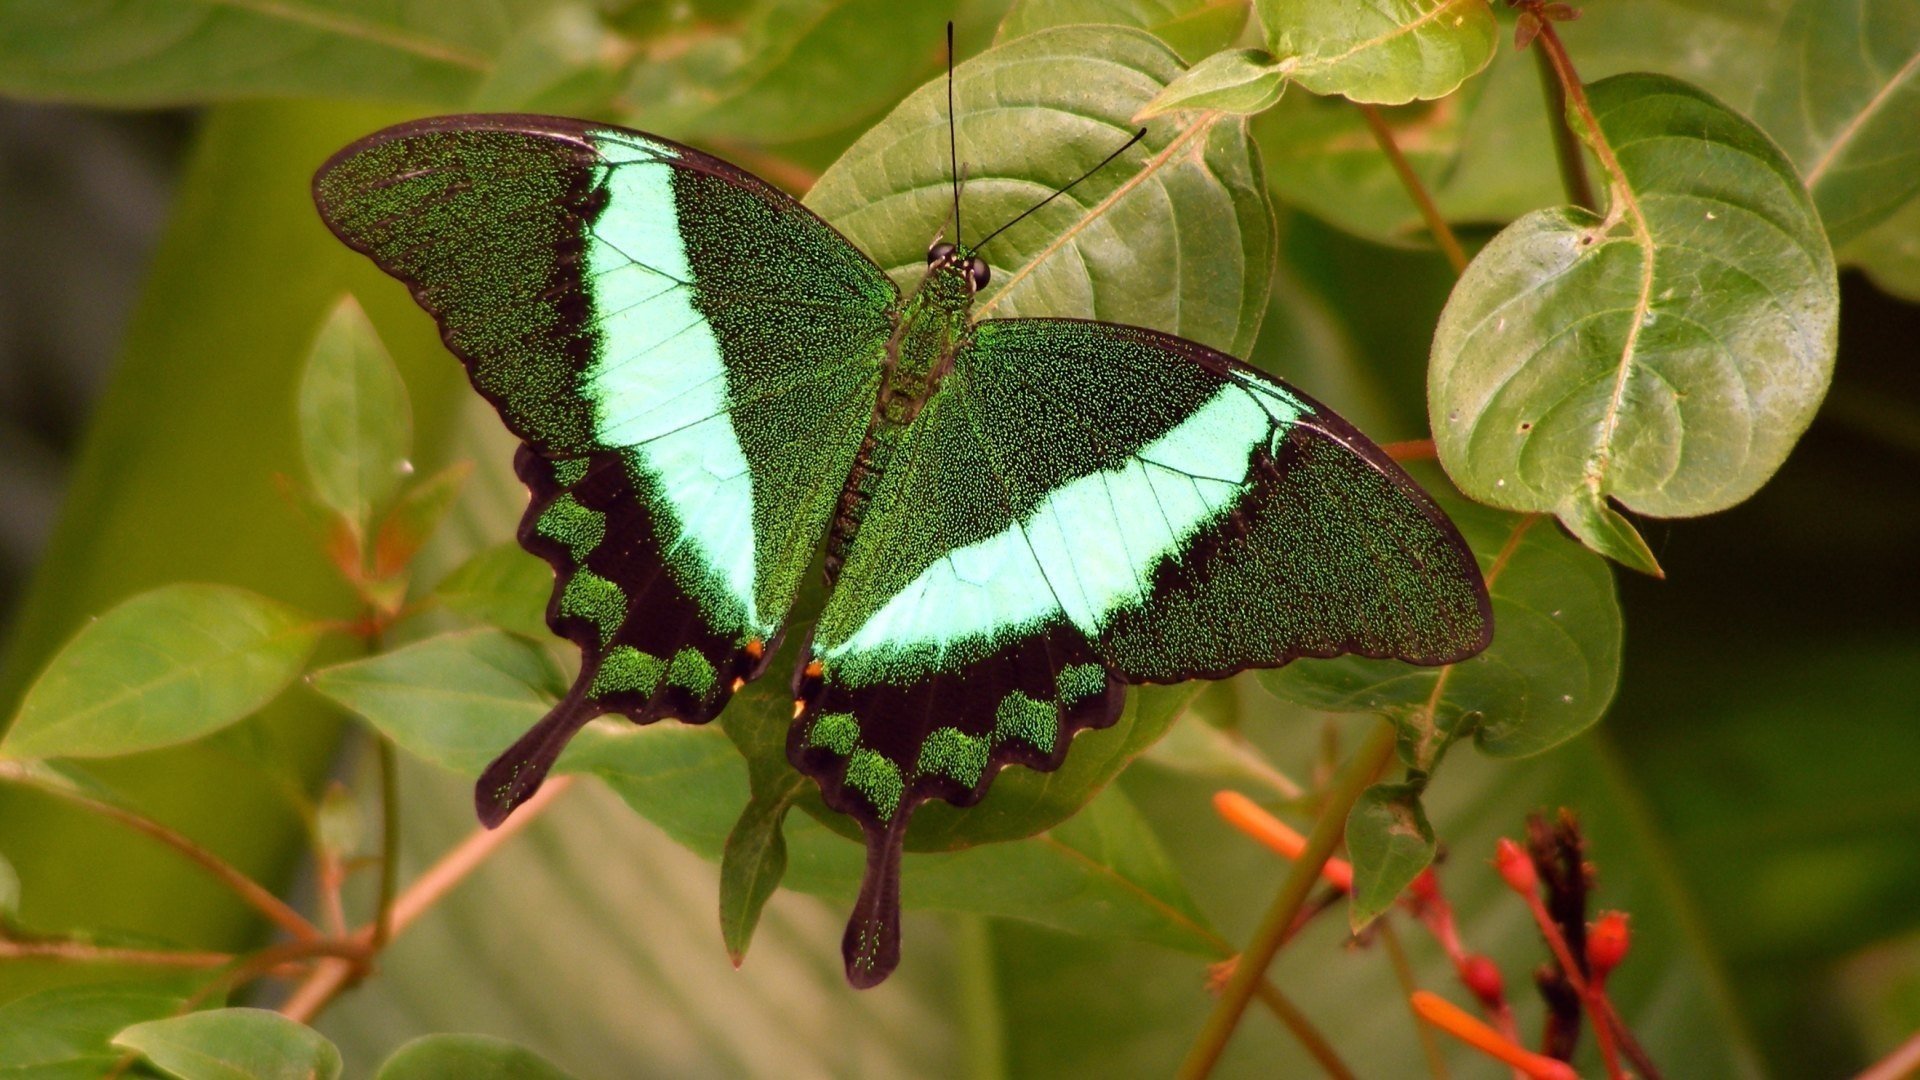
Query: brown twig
<point x="252" y="892"/>
<point x="84" y="953"/>
<point x="331" y="977"/>
<point x="1422" y="198"/>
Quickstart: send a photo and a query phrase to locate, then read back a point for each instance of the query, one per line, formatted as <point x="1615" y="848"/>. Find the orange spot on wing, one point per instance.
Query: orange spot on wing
<point x="755" y="649"/>
<point x="737" y="684"/>
<point x="798" y="708"/>
<point x="814" y="669"/>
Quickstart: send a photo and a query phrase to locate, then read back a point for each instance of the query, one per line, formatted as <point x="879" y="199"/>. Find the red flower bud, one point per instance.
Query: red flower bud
<point x="1479" y="975"/>
<point x="1607" y="940"/>
<point x="1516" y="866"/>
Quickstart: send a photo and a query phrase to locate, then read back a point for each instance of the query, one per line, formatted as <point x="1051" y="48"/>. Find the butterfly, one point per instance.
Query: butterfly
<point x="1019" y="517"/>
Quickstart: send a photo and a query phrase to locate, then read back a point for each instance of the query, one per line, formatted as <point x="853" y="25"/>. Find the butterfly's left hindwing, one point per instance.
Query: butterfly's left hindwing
<point x="690" y="357"/>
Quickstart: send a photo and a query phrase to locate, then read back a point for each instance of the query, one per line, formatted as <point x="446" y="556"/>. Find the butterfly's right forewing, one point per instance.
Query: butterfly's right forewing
<point x="690" y="357"/>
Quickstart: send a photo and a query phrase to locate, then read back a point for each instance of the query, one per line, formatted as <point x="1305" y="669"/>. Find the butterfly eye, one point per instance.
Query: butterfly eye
<point x="938" y="253"/>
<point x="978" y="272"/>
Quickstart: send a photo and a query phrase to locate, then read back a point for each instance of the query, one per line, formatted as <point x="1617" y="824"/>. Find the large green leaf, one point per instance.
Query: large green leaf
<point x="1842" y="97"/>
<point x="233" y="1044"/>
<point x="502" y="586"/>
<point x="1890" y="253"/>
<point x="1666" y="356"/>
<point x="66" y="1033"/>
<point x="189" y="51"/>
<point x="356" y="427"/>
<point x="1176" y="234"/>
<point x="1547" y="676"/>
<point x="1388" y="52"/>
<point x="163" y="668"/>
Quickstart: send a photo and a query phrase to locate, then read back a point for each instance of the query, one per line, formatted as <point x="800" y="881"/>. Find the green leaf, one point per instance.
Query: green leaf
<point x="1547" y="676"/>
<point x="65" y="1033"/>
<point x="1389" y="842"/>
<point x="415" y="517"/>
<point x="1240" y="82"/>
<point x="788" y="70"/>
<point x="752" y="864"/>
<point x="166" y="52"/>
<point x="1842" y="97"/>
<point x="1387" y="52"/>
<point x="1034" y="113"/>
<point x="466" y="1057"/>
<point x="1666" y="356"/>
<point x="502" y="586"/>
<point x="164" y="667"/>
<point x="1195" y="28"/>
<point x="1890" y="253"/>
<point x="356" y="427"/>
<point x="456" y="700"/>
<point x="234" y="1044"/>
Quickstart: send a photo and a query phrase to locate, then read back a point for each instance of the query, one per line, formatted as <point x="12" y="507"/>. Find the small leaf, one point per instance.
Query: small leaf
<point x="1389" y="842"/>
<point x="1842" y="97"/>
<point x="1548" y="675"/>
<point x="234" y="1044"/>
<point x="1667" y="355"/>
<point x="455" y="700"/>
<point x="415" y="517"/>
<point x="1385" y="52"/>
<point x="466" y="1057"/>
<point x="164" y="667"/>
<point x="1240" y="82"/>
<point x="1194" y="28"/>
<point x="1608" y="532"/>
<point x="66" y="1032"/>
<point x="502" y="586"/>
<point x="356" y="427"/>
<point x="752" y="864"/>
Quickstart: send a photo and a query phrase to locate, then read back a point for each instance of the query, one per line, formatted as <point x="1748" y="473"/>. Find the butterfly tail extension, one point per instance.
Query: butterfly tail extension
<point x="518" y="772"/>
<point x="871" y="944"/>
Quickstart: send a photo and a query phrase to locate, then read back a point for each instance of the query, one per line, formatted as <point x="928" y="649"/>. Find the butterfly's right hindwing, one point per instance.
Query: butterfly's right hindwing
<point x="689" y="355"/>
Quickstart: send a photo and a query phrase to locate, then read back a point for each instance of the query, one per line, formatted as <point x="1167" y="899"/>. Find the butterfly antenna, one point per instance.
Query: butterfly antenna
<point x="953" y="141"/>
<point x="1137" y="136"/>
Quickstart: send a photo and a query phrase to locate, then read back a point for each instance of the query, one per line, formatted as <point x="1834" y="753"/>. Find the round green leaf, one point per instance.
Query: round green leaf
<point x="233" y="1044"/>
<point x="466" y="1057"/>
<point x="165" y="667"/>
<point x="1547" y="676"/>
<point x="1666" y="356"/>
<point x="1387" y="52"/>
<point x="1389" y="842"/>
<point x="1237" y="81"/>
<point x="1176" y="234"/>
<point x="356" y="428"/>
<point x="1842" y="96"/>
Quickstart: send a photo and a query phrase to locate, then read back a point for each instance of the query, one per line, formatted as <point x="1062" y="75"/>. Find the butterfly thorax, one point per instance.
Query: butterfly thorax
<point x="930" y="327"/>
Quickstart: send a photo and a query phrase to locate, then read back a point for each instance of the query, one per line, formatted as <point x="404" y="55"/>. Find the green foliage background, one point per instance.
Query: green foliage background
<point x="1749" y="797"/>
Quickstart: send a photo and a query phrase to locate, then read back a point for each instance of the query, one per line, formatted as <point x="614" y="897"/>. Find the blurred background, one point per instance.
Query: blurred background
<point x="1751" y="792"/>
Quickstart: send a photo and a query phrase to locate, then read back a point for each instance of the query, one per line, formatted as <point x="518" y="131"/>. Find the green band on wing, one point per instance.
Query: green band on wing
<point x="872" y="775"/>
<point x="1077" y="682"/>
<point x="576" y="526"/>
<point x="592" y="597"/>
<point x="1089" y="549"/>
<point x="569" y="471"/>
<point x="626" y="669"/>
<point x="691" y="672"/>
<point x="1036" y="723"/>
<point x="835" y="731"/>
<point x="953" y="753"/>
<point x="659" y="385"/>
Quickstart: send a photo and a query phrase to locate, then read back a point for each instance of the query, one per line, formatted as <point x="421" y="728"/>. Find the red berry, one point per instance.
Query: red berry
<point x="1478" y="974"/>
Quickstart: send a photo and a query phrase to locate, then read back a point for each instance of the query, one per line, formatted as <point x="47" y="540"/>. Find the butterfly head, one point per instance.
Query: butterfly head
<point x="959" y="262"/>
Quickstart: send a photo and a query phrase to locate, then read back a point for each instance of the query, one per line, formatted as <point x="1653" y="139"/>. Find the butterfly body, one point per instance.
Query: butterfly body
<point x="1020" y="517"/>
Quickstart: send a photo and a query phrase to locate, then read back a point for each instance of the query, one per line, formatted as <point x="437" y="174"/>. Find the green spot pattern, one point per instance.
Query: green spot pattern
<point x="592" y="597"/>
<point x="952" y="752"/>
<point x="872" y="775"/>
<point x="1077" y="682"/>
<point x="566" y="521"/>
<point x="1036" y="723"/>
<point x="569" y="471"/>
<point x="690" y="671"/>
<point x="626" y="669"/>
<point x="835" y="731"/>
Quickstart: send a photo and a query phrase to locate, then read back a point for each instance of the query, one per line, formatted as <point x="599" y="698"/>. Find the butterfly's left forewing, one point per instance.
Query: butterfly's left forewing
<point x="1083" y="505"/>
<point x="690" y="357"/>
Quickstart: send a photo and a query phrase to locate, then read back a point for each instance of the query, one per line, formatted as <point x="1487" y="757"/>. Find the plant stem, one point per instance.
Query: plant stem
<point x="1903" y="1062"/>
<point x="330" y="977"/>
<point x="1310" y="1038"/>
<point x="1403" y="973"/>
<point x="389" y="840"/>
<point x="1436" y="222"/>
<point x="81" y="953"/>
<point x="252" y="892"/>
<point x="1566" y="145"/>
<point x="1359" y="771"/>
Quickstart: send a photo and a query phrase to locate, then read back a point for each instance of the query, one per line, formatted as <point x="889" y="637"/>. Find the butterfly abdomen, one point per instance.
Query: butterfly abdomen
<point x="869" y="468"/>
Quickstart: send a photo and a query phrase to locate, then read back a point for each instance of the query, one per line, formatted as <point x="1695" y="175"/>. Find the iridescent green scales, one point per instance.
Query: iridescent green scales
<point x="1019" y="516"/>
